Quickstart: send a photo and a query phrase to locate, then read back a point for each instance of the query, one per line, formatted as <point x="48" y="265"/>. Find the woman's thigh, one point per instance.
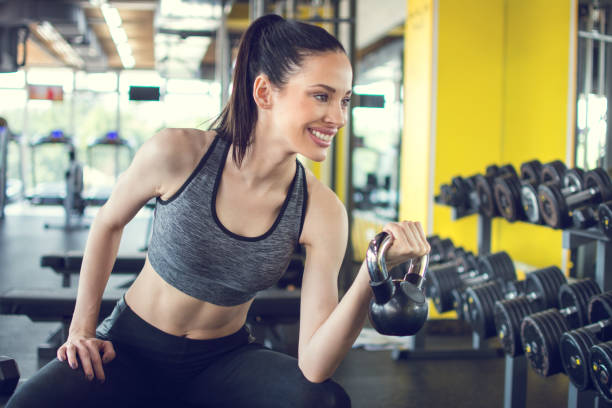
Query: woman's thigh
<point x="254" y="376"/>
<point x="58" y="385"/>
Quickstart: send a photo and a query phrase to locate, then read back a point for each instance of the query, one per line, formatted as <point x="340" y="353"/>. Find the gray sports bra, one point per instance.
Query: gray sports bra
<point x="192" y="250"/>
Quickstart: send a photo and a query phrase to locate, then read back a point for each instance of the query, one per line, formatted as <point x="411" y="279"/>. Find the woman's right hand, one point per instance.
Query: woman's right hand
<point x="92" y="352"/>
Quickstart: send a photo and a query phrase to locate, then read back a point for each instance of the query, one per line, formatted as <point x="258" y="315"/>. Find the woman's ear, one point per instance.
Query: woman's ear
<point x="262" y="91"/>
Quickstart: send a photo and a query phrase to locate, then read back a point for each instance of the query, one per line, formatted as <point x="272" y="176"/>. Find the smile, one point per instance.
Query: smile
<point x="320" y="135"/>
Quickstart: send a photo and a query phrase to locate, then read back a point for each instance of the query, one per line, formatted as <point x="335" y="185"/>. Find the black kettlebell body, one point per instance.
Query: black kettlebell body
<point x="399" y="306"/>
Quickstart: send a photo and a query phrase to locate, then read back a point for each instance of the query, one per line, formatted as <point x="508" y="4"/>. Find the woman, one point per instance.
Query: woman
<point x="232" y="203"/>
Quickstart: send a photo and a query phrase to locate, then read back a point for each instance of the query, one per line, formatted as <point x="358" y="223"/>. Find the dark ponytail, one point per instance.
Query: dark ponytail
<point x="275" y="47"/>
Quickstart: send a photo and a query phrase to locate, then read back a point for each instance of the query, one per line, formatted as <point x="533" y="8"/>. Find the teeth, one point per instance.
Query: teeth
<point x="320" y="135"/>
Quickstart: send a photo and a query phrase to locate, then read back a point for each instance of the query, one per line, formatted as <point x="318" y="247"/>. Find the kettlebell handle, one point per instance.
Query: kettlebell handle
<point x="377" y="265"/>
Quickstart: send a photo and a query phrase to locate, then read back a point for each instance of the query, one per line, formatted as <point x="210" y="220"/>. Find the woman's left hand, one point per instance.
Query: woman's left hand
<point x="409" y="241"/>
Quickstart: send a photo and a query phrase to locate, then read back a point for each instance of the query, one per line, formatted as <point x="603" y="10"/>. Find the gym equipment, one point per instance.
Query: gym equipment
<point x="57" y="305"/>
<point x="441" y="249"/>
<point x="541" y="289"/>
<point x="575" y="345"/>
<point x="9" y="375"/>
<point x="556" y="204"/>
<point x="448" y="277"/>
<point x="111" y="140"/>
<point x="480" y="303"/>
<point x="541" y="331"/>
<point x="460" y="193"/>
<point x="507" y="193"/>
<point x="4" y="137"/>
<point x="399" y="307"/>
<point x="604" y="218"/>
<point x="67" y="194"/>
<point x="484" y="188"/>
<point x="533" y="174"/>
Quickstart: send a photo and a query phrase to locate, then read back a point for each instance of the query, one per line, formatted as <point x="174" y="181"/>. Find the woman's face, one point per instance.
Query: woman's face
<point x="313" y="105"/>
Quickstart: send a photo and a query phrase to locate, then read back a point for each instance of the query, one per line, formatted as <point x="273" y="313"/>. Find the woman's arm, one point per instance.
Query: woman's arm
<point x="151" y="173"/>
<point x="328" y="329"/>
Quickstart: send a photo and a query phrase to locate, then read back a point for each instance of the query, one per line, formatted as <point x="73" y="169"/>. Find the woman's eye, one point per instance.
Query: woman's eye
<point x="346" y="102"/>
<point x="321" y="97"/>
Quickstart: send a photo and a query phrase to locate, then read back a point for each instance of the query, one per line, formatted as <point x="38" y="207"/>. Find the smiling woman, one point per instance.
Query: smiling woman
<point x="232" y="204"/>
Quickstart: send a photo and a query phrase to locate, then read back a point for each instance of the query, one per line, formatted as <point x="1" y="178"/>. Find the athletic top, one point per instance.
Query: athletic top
<point x="192" y="251"/>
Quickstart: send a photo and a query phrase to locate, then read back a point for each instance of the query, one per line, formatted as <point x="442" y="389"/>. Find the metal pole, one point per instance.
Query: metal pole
<point x="515" y="383"/>
<point x="222" y="59"/>
<point x="257" y="8"/>
<point x="579" y="399"/>
<point x="484" y="235"/>
<point x="118" y="117"/>
<point x="3" y="157"/>
<point x="588" y="73"/>
<point x="603" y="263"/>
<point x="601" y="79"/>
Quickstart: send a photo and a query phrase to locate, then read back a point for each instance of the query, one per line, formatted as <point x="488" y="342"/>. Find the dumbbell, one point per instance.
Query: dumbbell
<point x="575" y="345"/>
<point x="541" y="332"/>
<point x="441" y="249"/>
<point x="485" y="188"/>
<point x="442" y="280"/>
<point x="480" y="304"/>
<point x="604" y="218"/>
<point x="541" y="288"/>
<point x="555" y="206"/>
<point x="9" y="376"/>
<point x="532" y="175"/>
<point x="461" y="193"/>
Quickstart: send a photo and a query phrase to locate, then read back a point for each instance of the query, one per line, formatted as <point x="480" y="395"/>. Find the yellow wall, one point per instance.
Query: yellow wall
<point x="535" y="108"/>
<point x="415" y="155"/>
<point x="502" y="98"/>
<point x="469" y="101"/>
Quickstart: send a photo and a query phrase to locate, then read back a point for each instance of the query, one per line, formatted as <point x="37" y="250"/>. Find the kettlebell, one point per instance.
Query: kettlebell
<point x="399" y="306"/>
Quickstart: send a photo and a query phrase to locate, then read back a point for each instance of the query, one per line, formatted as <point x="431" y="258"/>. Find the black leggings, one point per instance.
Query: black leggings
<point x="154" y="368"/>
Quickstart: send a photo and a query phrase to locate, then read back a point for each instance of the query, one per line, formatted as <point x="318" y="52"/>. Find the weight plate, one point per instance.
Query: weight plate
<point x="492" y="171"/>
<point x="515" y="288"/>
<point x="574" y="179"/>
<point x="443" y="280"/>
<point x="577" y="294"/>
<point x="600" y="180"/>
<point x="574" y="348"/>
<point x="481" y="302"/>
<point x="545" y="283"/>
<point x="584" y="218"/>
<point x="485" y="195"/>
<point x="540" y="334"/>
<point x="601" y="369"/>
<point x="529" y="200"/>
<point x="604" y="215"/>
<point x="553" y="208"/>
<point x="458" y="303"/>
<point x="461" y="192"/>
<point x="508" y="315"/>
<point x="553" y="172"/>
<point x="507" y="169"/>
<point x="600" y="307"/>
<point x="531" y="171"/>
<point x="507" y="192"/>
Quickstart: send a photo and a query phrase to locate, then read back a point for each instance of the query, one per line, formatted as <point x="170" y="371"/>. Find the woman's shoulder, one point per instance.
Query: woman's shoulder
<point x="324" y="209"/>
<point x="180" y="146"/>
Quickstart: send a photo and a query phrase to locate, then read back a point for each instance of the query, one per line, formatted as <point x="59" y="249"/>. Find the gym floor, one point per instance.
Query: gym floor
<point x="371" y="378"/>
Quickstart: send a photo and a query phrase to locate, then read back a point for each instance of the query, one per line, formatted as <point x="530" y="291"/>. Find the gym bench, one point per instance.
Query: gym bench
<point x="69" y="263"/>
<point x="270" y="308"/>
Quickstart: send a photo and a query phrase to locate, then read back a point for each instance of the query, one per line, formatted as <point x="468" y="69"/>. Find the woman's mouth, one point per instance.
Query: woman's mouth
<point x="322" y="138"/>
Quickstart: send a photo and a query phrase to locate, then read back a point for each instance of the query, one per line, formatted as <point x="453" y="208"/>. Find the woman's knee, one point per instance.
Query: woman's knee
<point x="55" y="385"/>
<point x="328" y="394"/>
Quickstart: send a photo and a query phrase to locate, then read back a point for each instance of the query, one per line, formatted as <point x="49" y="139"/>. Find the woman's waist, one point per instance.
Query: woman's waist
<point x="176" y="313"/>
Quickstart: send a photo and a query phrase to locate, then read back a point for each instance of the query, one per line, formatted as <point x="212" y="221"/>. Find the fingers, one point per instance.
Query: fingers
<point x="96" y="362"/>
<point x="88" y="351"/>
<point x="409" y="238"/>
<point x="108" y="352"/>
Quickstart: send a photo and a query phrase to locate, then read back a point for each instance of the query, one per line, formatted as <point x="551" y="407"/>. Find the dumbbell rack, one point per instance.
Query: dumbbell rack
<point x="515" y="383"/>
<point x="416" y="348"/>
<point x="572" y="239"/>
